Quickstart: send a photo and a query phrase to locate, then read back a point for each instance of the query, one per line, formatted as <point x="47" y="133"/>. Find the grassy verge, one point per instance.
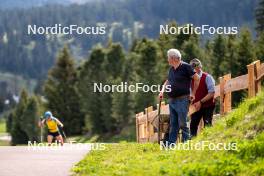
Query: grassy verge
<point x="4" y="143"/>
<point x="3" y="133"/>
<point x="2" y="126"/>
<point x="242" y="128"/>
<point x="127" y="134"/>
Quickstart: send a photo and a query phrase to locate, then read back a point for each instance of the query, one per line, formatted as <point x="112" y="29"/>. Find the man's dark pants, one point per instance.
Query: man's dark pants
<point x="178" y="119"/>
<point x="206" y="113"/>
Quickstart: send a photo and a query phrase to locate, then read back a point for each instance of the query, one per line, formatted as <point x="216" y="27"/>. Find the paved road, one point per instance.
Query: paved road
<point x="21" y="160"/>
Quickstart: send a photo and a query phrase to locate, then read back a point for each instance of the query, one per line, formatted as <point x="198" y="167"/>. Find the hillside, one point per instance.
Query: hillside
<point x="243" y="126"/>
<point x="15" y="83"/>
<point x="35" y="3"/>
<point x="33" y="55"/>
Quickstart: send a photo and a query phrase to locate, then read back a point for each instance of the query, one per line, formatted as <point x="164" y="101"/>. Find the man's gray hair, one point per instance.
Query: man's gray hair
<point x="174" y="53"/>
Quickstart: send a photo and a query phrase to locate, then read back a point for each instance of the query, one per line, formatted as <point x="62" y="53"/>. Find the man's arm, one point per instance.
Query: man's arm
<point x="162" y="90"/>
<point x="198" y="104"/>
<point x="207" y="97"/>
<point x="210" y="83"/>
<point x="196" y="81"/>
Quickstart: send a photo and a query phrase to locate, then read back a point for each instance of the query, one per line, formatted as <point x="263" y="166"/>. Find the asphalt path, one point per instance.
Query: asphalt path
<point x="39" y="161"/>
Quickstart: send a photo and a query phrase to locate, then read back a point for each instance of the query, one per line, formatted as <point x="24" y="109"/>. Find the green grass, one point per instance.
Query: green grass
<point x="243" y="127"/>
<point x="3" y="133"/>
<point x="2" y="126"/>
<point x="4" y="143"/>
<point x="127" y="134"/>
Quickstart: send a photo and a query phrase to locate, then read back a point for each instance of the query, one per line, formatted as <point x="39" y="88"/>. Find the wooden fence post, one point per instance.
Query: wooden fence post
<point x="140" y="132"/>
<point x="225" y="97"/>
<point x="146" y="126"/>
<point x="251" y="80"/>
<point x="257" y="71"/>
<point x="222" y="95"/>
<point x="228" y="96"/>
<point x="147" y="111"/>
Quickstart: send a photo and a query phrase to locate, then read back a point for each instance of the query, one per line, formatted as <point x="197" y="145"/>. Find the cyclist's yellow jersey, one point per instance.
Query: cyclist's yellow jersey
<point x="52" y="125"/>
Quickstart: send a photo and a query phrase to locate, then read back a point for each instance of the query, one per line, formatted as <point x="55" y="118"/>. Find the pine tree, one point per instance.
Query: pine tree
<point x="183" y="37"/>
<point x="18" y="134"/>
<point x="60" y="91"/>
<point x="167" y="41"/>
<point x="191" y="50"/>
<point x="232" y="64"/>
<point x="91" y="72"/>
<point x="9" y="121"/>
<point x="260" y="47"/>
<point x="123" y="103"/>
<point x="245" y="55"/>
<point x="2" y="105"/>
<point x="260" y="29"/>
<point x="146" y="64"/>
<point x="106" y="112"/>
<point x="259" y="13"/>
<point x="207" y="58"/>
<point x="114" y="61"/>
<point x="219" y="56"/>
<point x="22" y="122"/>
<point x="246" y="52"/>
<point x="30" y="119"/>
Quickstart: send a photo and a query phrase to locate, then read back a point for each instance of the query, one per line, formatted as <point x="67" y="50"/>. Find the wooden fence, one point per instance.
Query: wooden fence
<point x="251" y="81"/>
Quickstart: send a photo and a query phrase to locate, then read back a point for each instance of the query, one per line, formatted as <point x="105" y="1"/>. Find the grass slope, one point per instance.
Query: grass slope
<point x="126" y="134"/>
<point x="3" y="133"/>
<point x="2" y="126"/>
<point x="243" y="126"/>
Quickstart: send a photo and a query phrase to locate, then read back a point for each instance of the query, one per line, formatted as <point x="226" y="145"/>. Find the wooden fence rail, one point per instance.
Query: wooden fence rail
<point x="250" y="81"/>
